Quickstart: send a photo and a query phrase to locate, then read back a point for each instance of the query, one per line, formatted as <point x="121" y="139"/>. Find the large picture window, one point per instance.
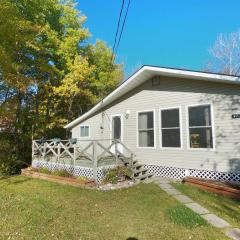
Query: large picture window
<point x="84" y="131"/>
<point x="146" y="129"/>
<point x="170" y="128"/>
<point x="200" y="126"/>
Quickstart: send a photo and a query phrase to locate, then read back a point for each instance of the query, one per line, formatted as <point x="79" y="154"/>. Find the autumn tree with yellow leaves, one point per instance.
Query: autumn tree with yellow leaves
<point x="49" y="74"/>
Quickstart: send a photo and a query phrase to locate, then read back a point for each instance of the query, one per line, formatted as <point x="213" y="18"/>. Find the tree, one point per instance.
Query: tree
<point x="49" y="74"/>
<point x="91" y="77"/>
<point x="105" y="70"/>
<point x="226" y="54"/>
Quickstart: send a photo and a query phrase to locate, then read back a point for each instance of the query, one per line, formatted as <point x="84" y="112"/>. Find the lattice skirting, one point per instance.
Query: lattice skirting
<point x="162" y="171"/>
<point x="76" y="171"/>
<point x="180" y="173"/>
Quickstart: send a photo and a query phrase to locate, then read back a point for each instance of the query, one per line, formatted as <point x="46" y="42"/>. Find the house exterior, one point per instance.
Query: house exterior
<point x="177" y="122"/>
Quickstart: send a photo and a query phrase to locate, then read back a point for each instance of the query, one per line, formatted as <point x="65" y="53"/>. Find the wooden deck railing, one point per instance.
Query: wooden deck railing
<point x="75" y="150"/>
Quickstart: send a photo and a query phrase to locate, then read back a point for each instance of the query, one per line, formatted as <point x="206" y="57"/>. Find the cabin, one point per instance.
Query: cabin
<point x="170" y="122"/>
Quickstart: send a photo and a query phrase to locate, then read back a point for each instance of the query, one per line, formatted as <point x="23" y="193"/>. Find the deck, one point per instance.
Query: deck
<point x="85" y="155"/>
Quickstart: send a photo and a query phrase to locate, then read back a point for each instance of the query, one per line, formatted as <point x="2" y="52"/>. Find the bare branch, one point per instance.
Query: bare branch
<point x="226" y="53"/>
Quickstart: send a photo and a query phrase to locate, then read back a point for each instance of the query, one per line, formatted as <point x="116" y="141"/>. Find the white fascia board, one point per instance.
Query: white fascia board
<point x="121" y="90"/>
<point x="194" y="75"/>
<point x="142" y="75"/>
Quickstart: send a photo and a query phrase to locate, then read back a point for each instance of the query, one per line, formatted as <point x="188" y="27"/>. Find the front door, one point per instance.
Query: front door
<point x="117" y="131"/>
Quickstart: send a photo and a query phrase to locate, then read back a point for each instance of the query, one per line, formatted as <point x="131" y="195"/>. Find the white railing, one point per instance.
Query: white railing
<point x="73" y="149"/>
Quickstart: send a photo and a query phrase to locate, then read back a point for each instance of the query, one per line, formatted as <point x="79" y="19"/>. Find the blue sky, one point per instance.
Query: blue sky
<point x="170" y="33"/>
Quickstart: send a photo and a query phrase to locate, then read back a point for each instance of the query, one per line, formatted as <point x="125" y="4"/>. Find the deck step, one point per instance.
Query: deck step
<point x="138" y="170"/>
<point x="141" y="170"/>
<point x="128" y="162"/>
<point x="144" y="176"/>
<point x="137" y="166"/>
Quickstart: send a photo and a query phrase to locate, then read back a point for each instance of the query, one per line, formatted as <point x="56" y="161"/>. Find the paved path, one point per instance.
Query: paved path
<point x="232" y="233"/>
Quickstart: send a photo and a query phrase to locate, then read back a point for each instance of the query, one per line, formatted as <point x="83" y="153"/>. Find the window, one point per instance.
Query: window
<point x="146" y="129"/>
<point x="200" y="126"/>
<point x="116" y="127"/>
<point x="170" y="128"/>
<point x="84" y="131"/>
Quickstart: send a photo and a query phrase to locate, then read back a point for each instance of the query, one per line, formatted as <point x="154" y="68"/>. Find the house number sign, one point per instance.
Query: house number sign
<point x="236" y="115"/>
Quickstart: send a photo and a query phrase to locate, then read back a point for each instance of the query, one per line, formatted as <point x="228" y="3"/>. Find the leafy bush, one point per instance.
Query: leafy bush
<point x="82" y="179"/>
<point x="119" y="173"/>
<point x="13" y="158"/>
<point x="111" y="176"/>
<point x="184" y="216"/>
<point x="10" y="165"/>
<point x="44" y="170"/>
<point x="62" y="173"/>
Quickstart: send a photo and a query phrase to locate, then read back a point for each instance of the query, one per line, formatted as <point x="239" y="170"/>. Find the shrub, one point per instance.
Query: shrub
<point x="12" y="158"/>
<point x="82" y="179"/>
<point x="44" y="170"/>
<point x="184" y="216"/>
<point x="111" y="176"/>
<point x="62" y="173"/>
<point x="10" y="165"/>
<point x="119" y="173"/>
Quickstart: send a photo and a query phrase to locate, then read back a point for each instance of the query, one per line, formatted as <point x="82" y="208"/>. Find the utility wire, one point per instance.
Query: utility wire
<point x="118" y="25"/>
<point x="124" y="21"/>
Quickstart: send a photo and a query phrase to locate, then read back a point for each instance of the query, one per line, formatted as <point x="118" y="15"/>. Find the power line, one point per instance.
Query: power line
<point x="124" y="21"/>
<point x="118" y="25"/>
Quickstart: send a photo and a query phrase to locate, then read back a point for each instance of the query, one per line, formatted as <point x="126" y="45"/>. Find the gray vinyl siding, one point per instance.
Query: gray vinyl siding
<point x="225" y="100"/>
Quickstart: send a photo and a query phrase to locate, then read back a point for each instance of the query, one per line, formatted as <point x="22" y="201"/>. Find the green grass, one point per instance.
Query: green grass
<point x="184" y="216"/>
<point x="224" y="207"/>
<point x="38" y="209"/>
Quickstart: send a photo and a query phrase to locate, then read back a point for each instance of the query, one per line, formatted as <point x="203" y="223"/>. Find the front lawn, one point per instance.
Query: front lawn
<point x="224" y="207"/>
<point x="37" y="209"/>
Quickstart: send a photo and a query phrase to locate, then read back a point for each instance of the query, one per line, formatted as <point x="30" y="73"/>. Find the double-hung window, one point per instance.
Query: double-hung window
<point x="170" y="128"/>
<point x="146" y="134"/>
<point x="200" y="126"/>
<point x="84" y="131"/>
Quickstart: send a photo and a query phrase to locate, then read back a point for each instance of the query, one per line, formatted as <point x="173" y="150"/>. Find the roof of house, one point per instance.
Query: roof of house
<point x="146" y="72"/>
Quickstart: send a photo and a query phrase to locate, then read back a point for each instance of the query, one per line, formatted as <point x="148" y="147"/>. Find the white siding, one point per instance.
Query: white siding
<point x="225" y="99"/>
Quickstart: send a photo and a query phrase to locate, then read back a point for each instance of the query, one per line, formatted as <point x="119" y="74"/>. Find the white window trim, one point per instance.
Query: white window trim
<point x="84" y="125"/>
<point x="213" y="127"/>
<point x="111" y="119"/>
<point x="180" y="125"/>
<point x="154" y="128"/>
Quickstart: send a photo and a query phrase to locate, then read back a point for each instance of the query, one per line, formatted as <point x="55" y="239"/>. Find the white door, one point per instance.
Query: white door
<point x="116" y="131"/>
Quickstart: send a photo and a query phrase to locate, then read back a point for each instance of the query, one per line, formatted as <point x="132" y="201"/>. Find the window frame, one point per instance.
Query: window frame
<point x="212" y="126"/>
<point x="154" y="128"/>
<point x="85" y="125"/>
<point x="180" y="127"/>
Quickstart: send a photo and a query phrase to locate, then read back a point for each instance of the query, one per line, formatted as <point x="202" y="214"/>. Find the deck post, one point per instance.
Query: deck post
<point x="116" y="151"/>
<point x="131" y="160"/>
<point x="95" y="161"/>
<point x="44" y="150"/>
<point x="58" y="152"/>
<point x="33" y="149"/>
<point x="74" y="155"/>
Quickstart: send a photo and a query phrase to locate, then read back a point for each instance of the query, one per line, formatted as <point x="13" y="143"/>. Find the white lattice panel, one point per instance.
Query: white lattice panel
<point x="230" y="177"/>
<point x="180" y="173"/>
<point x="102" y="171"/>
<point x="170" y="172"/>
<point x="76" y="171"/>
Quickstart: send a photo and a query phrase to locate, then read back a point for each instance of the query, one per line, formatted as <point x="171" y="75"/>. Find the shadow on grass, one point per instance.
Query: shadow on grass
<point x="132" y="238"/>
<point x="222" y="205"/>
<point x="182" y="215"/>
<point x="5" y="177"/>
<point x="13" y="180"/>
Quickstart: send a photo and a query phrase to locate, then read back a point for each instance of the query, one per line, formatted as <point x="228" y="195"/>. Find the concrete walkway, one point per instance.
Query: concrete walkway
<point x="214" y="220"/>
